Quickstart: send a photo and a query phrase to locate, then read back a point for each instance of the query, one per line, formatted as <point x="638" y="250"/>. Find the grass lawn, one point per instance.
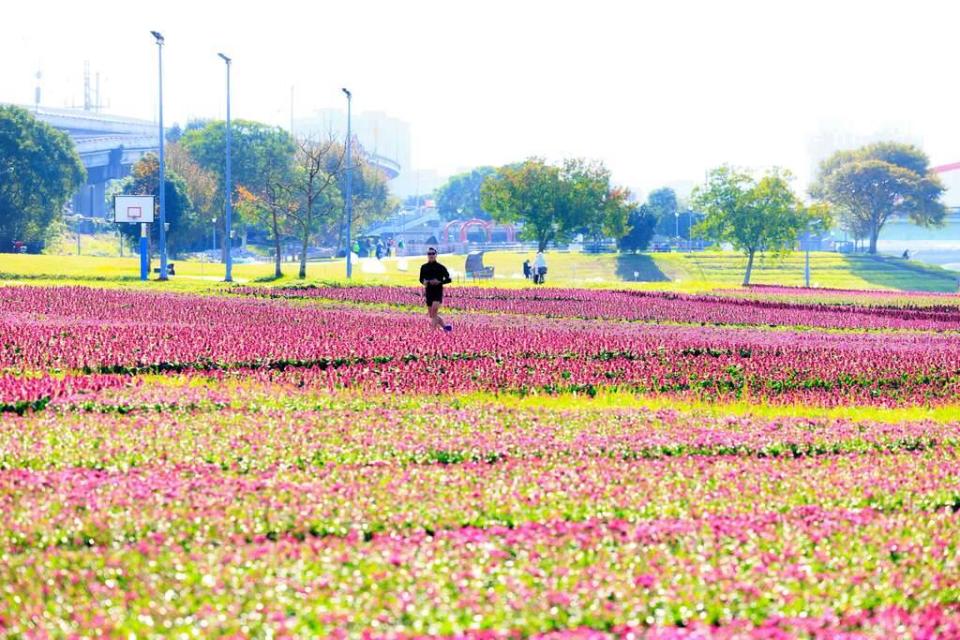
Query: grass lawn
<point x="674" y="271"/>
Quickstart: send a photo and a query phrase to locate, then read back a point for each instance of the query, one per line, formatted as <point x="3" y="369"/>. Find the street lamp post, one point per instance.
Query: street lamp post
<point x="161" y="186"/>
<point x="676" y="232"/>
<point x="228" y="277"/>
<point x="348" y="195"/>
<point x="214" y="238"/>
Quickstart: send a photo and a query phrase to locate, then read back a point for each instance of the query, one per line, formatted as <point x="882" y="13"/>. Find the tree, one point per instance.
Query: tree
<point x="255" y="148"/>
<point x="554" y="202"/>
<point x="270" y="207"/>
<point x="206" y="194"/>
<point x="371" y="195"/>
<point x="611" y="220"/>
<point x="868" y="185"/>
<point x="460" y="196"/>
<point x="174" y="133"/>
<point x="318" y="168"/>
<point x="143" y="180"/>
<point x="662" y="204"/>
<point x="39" y="171"/>
<point x="752" y="215"/>
<point x="641" y="223"/>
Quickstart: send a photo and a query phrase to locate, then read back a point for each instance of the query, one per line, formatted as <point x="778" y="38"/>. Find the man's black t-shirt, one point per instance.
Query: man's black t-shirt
<point x="434" y="271"/>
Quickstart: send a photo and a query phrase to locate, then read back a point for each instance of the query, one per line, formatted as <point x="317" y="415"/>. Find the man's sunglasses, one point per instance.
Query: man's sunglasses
<point x="431" y="253"/>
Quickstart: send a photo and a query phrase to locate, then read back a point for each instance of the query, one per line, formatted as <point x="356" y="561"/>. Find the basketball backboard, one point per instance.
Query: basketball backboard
<point x="133" y="208"/>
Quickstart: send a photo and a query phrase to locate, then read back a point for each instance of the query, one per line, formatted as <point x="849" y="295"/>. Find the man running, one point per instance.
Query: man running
<point x="433" y="276"/>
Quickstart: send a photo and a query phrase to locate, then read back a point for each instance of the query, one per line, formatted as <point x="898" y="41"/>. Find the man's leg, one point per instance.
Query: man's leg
<point x="435" y="318"/>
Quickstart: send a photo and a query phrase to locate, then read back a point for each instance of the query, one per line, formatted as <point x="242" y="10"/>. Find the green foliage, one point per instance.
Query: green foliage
<point x="372" y="201"/>
<point x="460" y="196"/>
<point x="258" y="151"/>
<point x="662" y="204"/>
<point x="641" y="223"/>
<point x="753" y="215"/>
<point x="868" y="185"/>
<point x="555" y="202"/>
<point x="39" y="171"/>
<point x="186" y="230"/>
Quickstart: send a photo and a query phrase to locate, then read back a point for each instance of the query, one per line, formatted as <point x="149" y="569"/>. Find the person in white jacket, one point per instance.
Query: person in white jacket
<point x="539" y="268"/>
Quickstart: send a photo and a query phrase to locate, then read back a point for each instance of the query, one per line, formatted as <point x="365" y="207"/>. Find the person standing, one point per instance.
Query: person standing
<point x="433" y="276"/>
<point x="539" y="268"/>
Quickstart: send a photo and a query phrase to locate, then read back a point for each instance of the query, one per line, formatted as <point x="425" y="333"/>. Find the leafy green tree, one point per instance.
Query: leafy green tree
<point x="460" y="196"/>
<point x="662" y="204"/>
<point x="186" y="229"/>
<point x="641" y="224"/>
<point x="555" y="202"/>
<point x="868" y="185"/>
<point x="611" y="220"/>
<point x="372" y="201"/>
<point x="256" y="149"/>
<point x="206" y="194"/>
<point x="39" y="171"/>
<point x="753" y="215"/>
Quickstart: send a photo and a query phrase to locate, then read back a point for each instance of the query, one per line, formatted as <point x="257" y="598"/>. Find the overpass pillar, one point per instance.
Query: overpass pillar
<point x="89" y="200"/>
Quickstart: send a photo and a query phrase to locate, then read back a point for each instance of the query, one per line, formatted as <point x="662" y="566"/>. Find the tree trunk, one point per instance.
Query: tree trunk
<point x="277" y="272"/>
<point x="746" y="276"/>
<point x="303" y="252"/>
<point x="874" y="234"/>
<point x="224" y="244"/>
<point x="542" y="244"/>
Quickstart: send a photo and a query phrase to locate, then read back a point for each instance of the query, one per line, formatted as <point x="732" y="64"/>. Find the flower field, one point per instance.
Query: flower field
<point x="566" y="463"/>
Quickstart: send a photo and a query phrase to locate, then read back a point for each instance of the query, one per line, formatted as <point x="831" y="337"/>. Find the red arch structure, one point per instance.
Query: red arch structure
<point x="476" y="222"/>
<point x="488" y="227"/>
<point x="445" y="234"/>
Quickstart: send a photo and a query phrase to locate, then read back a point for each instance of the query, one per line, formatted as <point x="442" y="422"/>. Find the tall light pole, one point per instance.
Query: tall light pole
<point x="161" y="186"/>
<point x="348" y="194"/>
<point x="228" y="277"/>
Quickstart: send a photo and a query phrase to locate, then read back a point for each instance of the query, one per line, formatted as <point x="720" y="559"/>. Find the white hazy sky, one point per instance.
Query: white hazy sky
<point x="660" y="91"/>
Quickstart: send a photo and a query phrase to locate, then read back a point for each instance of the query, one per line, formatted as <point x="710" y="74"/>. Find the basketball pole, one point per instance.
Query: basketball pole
<point x="144" y="257"/>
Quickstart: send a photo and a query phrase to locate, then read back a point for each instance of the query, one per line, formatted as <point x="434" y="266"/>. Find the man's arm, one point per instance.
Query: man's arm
<point x="446" y="276"/>
<point x="423" y="279"/>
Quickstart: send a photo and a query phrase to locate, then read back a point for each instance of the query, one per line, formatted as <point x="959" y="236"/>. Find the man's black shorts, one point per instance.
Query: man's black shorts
<point x="434" y="296"/>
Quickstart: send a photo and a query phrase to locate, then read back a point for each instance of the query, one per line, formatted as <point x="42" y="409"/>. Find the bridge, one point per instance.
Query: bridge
<point x="108" y="146"/>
